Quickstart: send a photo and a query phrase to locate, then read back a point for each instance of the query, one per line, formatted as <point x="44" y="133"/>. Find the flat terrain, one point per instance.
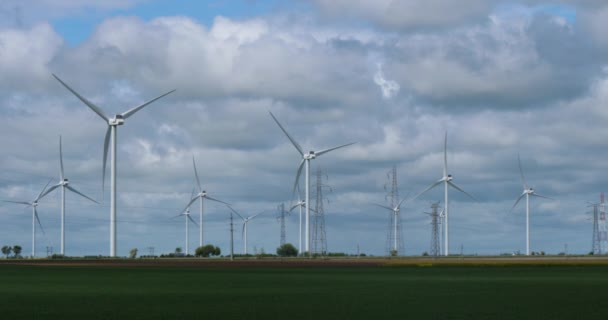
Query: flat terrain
<point x="305" y="289"/>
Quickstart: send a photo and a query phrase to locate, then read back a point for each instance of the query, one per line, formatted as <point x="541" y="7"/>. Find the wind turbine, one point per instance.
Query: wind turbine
<point x="245" y="222"/>
<point x="447" y="181"/>
<point x="35" y="218"/>
<point x="202" y="194"/>
<point x="528" y="191"/>
<point x="395" y="211"/>
<point x="306" y="157"/>
<point x="189" y="219"/>
<point x="64" y="184"/>
<point x="113" y="123"/>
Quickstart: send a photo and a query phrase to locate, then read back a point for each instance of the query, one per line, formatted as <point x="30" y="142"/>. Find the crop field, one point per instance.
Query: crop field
<point x="336" y="291"/>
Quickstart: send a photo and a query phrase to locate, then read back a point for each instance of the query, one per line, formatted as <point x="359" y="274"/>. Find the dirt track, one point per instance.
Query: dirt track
<point x="311" y="263"/>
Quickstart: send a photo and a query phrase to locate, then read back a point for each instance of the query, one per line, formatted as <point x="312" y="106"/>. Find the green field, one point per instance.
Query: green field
<point x="439" y="292"/>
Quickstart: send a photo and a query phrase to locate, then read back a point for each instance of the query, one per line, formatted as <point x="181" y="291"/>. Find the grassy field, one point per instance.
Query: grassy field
<point x="392" y="292"/>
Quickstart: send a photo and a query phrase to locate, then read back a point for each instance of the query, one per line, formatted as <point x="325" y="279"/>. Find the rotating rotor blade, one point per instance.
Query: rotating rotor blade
<point x="517" y="201"/>
<point x="385" y="207"/>
<point x="93" y="107"/>
<point x="190" y="203"/>
<point x="198" y="182"/>
<point x="402" y="200"/>
<point x="80" y="193"/>
<point x="240" y="216"/>
<point x="191" y="220"/>
<point x="216" y="200"/>
<point x="295" y="184"/>
<point x="106" y="143"/>
<point x="521" y="172"/>
<point x="38" y="219"/>
<point x="457" y="188"/>
<point x="295" y="144"/>
<point x="332" y="149"/>
<point x="538" y="195"/>
<point x="429" y="188"/>
<point x="295" y="206"/>
<point x="43" y="189"/>
<point x="445" y="155"/>
<point x="19" y="202"/>
<point x="49" y="190"/>
<point x="177" y="216"/>
<point x="192" y="194"/>
<point x="61" y="159"/>
<point x="255" y="215"/>
<point x="131" y="112"/>
<point x="243" y="232"/>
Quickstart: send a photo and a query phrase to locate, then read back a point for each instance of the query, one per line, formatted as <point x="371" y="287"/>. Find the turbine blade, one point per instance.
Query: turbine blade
<point x="538" y="195"/>
<point x="404" y="198"/>
<point x="445" y="155"/>
<point x="240" y="216"/>
<point x="295" y="184"/>
<point x="255" y="215"/>
<point x="38" y="219"/>
<point x="61" y="159"/>
<point x="49" y="190"/>
<point x="295" y="144"/>
<point x="131" y="112"/>
<point x="457" y="188"/>
<point x="198" y="182"/>
<point x="93" y="107"/>
<point x="106" y="143"/>
<point x="521" y="172"/>
<point x="293" y="207"/>
<point x="177" y="216"/>
<point x="192" y="194"/>
<point x="243" y="232"/>
<point x="189" y="204"/>
<point x="19" y="202"/>
<point x="332" y="149"/>
<point x="43" y="189"/>
<point x="192" y="220"/>
<point x="381" y="206"/>
<point x="216" y="200"/>
<point x="429" y="188"/>
<point x="80" y="193"/>
<point x="517" y="201"/>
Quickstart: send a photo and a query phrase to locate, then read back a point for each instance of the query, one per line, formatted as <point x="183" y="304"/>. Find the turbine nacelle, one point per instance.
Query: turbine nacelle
<point x="449" y="178"/>
<point x="309" y="156"/>
<point x="64" y="182"/>
<point x="118" y="120"/>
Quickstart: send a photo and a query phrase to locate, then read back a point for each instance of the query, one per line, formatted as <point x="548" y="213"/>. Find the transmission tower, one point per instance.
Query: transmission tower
<point x="281" y="218"/>
<point x="319" y="239"/>
<point x="394" y="244"/>
<point x="602" y="231"/>
<point x="595" y="239"/>
<point x="435" y="225"/>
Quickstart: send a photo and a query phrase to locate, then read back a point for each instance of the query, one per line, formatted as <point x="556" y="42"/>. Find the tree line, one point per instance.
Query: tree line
<point x="16" y="250"/>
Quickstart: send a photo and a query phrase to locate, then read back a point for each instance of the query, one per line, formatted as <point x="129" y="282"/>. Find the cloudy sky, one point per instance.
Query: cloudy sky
<point x="501" y="77"/>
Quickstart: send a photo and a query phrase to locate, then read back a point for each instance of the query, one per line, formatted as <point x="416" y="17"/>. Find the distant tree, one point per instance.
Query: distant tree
<point x="207" y="251"/>
<point x="393" y="253"/>
<point x="17" y="250"/>
<point x="133" y="253"/>
<point x="287" y="250"/>
<point x="425" y="254"/>
<point x="6" y="250"/>
<point x="178" y="250"/>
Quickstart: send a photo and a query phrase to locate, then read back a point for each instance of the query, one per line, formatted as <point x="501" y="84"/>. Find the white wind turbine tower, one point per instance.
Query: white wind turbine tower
<point x="447" y="181"/>
<point x="113" y="123"/>
<point x="300" y="204"/>
<point x="202" y="194"/>
<point x="35" y="218"/>
<point x="64" y="184"/>
<point x="245" y="222"/>
<point x="188" y="220"/>
<point x="528" y="191"/>
<point x="306" y="157"/>
<point x="395" y="211"/>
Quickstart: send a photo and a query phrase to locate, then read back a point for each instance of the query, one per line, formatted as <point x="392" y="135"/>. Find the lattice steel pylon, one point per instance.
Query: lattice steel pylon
<point x="281" y="218"/>
<point x="595" y="238"/>
<point x="394" y="243"/>
<point x="319" y="238"/>
<point x="602" y="230"/>
<point x="435" y="225"/>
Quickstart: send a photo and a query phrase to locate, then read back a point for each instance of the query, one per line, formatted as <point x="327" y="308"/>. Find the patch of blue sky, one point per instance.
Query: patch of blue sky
<point x="76" y="28"/>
